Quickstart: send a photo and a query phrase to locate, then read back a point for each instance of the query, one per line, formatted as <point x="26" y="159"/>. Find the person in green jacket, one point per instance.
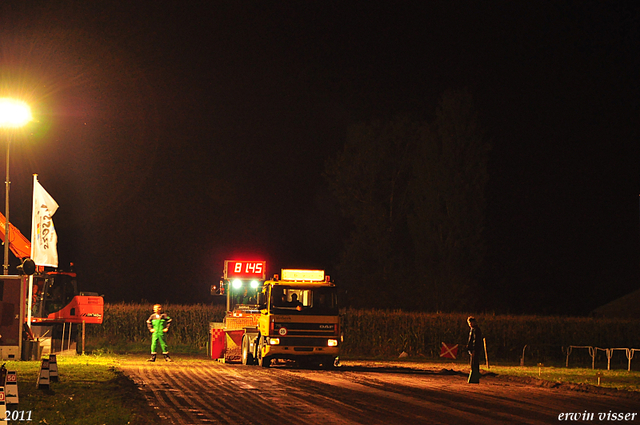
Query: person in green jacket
<point x="158" y="324"/>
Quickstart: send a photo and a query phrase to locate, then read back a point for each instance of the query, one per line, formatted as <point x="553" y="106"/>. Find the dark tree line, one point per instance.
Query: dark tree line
<point x="414" y="191"/>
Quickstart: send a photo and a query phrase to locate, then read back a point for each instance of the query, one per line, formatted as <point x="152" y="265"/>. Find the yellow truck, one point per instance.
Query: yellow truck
<point x="298" y="320"/>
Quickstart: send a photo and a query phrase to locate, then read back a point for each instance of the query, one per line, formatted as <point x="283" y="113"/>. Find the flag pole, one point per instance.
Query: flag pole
<point x="33" y="241"/>
<point x="7" y="183"/>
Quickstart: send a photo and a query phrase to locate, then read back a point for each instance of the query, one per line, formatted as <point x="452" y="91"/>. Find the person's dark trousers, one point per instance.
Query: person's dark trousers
<point x="474" y="375"/>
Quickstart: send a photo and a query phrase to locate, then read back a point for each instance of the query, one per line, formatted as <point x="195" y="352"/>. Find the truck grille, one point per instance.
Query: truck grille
<point x="307" y="329"/>
<point x="303" y="342"/>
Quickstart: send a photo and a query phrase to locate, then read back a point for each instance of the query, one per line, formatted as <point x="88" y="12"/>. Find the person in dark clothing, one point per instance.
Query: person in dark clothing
<point x="294" y="301"/>
<point x="474" y="347"/>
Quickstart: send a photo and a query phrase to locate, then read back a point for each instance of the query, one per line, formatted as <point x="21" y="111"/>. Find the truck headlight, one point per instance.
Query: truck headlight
<point x="332" y="343"/>
<point x="274" y="341"/>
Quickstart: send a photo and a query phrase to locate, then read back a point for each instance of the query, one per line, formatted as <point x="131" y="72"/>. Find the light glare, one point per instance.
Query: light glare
<point x="14" y="113"/>
<point x="237" y="284"/>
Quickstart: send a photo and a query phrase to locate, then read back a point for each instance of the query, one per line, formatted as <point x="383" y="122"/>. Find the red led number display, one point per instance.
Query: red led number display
<point x="245" y="269"/>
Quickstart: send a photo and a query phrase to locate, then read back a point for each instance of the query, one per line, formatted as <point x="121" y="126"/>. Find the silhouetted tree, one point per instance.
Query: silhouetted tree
<point x="448" y="204"/>
<point x="415" y="193"/>
<point x="370" y="178"/>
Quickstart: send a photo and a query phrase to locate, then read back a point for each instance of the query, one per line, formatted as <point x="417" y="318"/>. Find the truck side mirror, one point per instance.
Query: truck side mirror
<point x="262" y="300"/>
<point x="217" y="289"/>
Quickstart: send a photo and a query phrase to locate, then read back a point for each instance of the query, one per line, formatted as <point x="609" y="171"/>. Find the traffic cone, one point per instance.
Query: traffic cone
<point x="11" y="388"/>
<point x="43" y="379"/>
<point x="3" y="408"/>
<point x="53" y="368"/>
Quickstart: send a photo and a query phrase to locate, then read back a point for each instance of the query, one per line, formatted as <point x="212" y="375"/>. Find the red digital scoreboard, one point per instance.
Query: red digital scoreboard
<point x="241" y="269"/>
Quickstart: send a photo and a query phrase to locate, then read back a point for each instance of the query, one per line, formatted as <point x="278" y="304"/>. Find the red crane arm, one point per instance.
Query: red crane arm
<point x="19" y="245"/>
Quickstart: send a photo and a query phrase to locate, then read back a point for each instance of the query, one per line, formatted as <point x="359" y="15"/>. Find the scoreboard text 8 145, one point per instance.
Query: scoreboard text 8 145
<point x="240" y="269"/>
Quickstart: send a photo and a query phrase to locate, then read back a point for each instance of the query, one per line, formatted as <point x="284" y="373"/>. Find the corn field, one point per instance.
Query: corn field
<point x="128" y="323"/>
<point x="381" y="333"/>
<point x="388" y="333"/>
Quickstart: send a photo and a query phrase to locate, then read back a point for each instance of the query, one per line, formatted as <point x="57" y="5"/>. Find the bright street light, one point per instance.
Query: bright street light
<point x="13" y="114"/>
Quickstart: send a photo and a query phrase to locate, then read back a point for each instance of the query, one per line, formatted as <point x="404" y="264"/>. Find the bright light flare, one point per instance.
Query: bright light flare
<point x="332" y="343"/>
<point x="255" y="284"/>
<point x="14" y="113"/>
<point x="237" y="284"/>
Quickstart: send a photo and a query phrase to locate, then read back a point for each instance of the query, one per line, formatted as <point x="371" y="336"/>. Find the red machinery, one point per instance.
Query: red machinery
<point x="55" y="293"/>
<point x="242" y="281"/>
<point x="55" y="300"/>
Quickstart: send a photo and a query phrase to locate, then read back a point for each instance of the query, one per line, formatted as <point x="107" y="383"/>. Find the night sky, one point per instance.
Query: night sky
<point x="176" y="135"/>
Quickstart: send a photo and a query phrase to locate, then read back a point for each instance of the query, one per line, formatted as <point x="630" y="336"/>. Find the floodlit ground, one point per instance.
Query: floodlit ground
<point x="125" y="389"/>
<point x="359" y="392"/>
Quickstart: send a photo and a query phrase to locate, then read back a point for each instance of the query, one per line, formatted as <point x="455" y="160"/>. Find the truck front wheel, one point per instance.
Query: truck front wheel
<point x="263" y="361"/>
<point x="329" y="362"/>
<point x="247" y="356"/>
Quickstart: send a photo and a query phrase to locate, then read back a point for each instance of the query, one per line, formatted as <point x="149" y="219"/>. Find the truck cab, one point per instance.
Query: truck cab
<point x="56" y="300"/>
<point x="299" y="320"/>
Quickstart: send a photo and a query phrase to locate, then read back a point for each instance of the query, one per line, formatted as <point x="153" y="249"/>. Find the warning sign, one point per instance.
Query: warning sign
<point x="449" y="351"/>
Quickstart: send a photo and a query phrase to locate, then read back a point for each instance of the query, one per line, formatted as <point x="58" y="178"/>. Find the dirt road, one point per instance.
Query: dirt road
<point x="207" y="392"/>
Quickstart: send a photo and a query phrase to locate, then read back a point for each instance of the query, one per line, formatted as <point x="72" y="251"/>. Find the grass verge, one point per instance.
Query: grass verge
<point x="614" y="379"/>
<point x="90" y="391"/>
<point x="617" y="379"/>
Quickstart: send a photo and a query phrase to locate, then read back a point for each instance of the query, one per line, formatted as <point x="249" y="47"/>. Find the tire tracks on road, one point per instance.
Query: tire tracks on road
<point x="208" y="392"/>
<point x="212" y="393"/>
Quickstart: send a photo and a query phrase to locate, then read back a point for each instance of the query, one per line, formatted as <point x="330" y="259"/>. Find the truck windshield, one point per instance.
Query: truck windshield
<point x="243" y="297"/>
<point x="292" y="299"/>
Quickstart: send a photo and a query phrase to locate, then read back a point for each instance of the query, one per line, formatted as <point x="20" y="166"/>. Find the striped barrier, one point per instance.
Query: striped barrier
<point x="3" y="408"/>
<point x="53" y="368"/>
<point x="11" y="387"/>
<point x="43" y="377"/>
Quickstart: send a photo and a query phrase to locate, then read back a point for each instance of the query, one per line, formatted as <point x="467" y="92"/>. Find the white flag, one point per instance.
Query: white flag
<point x="44" y="241"/>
